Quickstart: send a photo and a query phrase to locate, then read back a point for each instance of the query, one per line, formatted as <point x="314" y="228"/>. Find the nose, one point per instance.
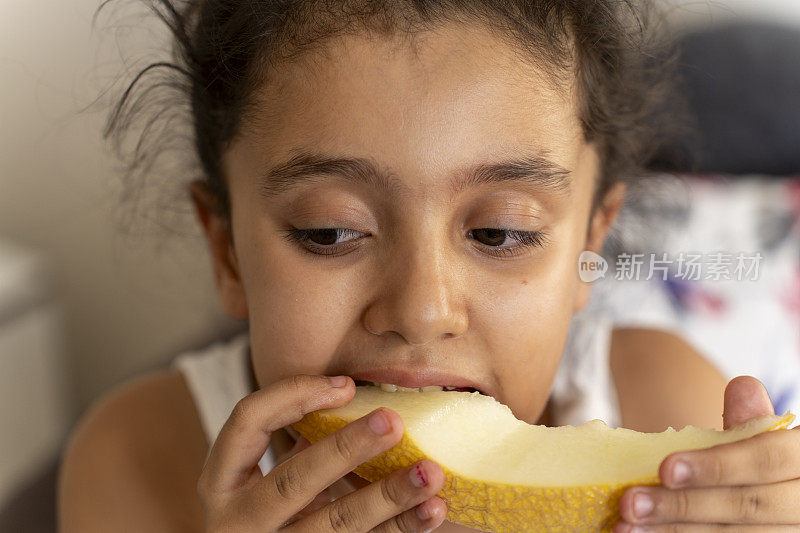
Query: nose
<point x="418" y="299"/>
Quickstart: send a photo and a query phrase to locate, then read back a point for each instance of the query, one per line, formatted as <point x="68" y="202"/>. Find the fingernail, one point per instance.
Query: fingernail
<point x="379" y="423"/>
<point x="681" y="473"/>
<point x="642" y="505"/>
<point x="417" y="476"/>
<point x="423" y="512"/>
<point x="338" y="381"/>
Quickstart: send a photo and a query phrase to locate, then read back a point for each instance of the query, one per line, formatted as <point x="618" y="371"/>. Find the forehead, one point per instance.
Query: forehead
<point x="447" y="97"/>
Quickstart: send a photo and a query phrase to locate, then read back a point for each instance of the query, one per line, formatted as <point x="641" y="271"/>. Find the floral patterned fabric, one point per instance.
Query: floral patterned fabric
<point x="717" y="261"/>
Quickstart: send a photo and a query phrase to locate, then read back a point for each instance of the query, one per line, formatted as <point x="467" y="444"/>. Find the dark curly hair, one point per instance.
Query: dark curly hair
<point x="225" y="49"/>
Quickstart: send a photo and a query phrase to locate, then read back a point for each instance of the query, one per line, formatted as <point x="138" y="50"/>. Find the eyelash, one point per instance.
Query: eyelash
<point x="527" y="239"/>
<point x="303" y="237"/>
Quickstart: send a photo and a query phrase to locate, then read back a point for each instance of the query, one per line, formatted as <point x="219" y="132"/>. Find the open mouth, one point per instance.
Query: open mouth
<point x="391" y="387"/>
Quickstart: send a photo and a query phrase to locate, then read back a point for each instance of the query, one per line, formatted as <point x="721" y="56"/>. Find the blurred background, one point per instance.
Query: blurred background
<point x="95" y="288"/>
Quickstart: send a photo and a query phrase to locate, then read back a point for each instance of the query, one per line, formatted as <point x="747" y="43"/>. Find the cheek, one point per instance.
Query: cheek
<point x="525" y="319"/>
<point x="540" y="290"/>
<point x="298" y="317"/>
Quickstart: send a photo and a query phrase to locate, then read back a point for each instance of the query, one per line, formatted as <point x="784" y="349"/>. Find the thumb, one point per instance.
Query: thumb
<point x="745" y="398"/>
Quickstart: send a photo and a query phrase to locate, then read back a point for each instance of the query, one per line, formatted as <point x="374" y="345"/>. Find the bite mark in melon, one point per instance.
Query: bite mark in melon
<point x="503" y="474"/>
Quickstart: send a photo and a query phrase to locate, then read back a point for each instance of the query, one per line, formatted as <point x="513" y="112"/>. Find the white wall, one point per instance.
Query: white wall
<point x="127" y="307"/>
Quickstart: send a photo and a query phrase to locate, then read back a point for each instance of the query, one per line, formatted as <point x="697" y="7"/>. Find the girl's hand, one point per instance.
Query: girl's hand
<point x="236" y="497"/>
<point x="750" y="485"/>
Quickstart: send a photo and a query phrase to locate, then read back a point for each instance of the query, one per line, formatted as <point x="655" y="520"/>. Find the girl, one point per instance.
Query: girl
<point x="399" y="192"/>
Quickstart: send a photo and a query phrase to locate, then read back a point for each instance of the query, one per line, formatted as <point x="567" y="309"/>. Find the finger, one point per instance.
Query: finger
<point x="245" y="435"/>
<point x="347" y="484"/>
<point x="277" y="437"/>
<point x="424" y="517"/>
<point x="292" y="432"/>
<point x="378" y="502"/>
<point x="766" y="458"/>
<point x="299" y="445"/>
<point x="321" y="500"/>
<point x="624" y="527"/>
<point x="291" y="485"/>
<point x="763" y="504"/>
<point x="745" y="398"/>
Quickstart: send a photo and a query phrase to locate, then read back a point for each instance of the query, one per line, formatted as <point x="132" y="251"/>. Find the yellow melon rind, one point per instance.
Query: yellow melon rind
<point x="488" y="507"/>
<point x="500" y="507"/>
<point x="786" y="420"/>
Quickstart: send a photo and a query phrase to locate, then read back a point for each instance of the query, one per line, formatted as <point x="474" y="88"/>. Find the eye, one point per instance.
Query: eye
<point x="324" y="236"/>
<point x="325" y="241"/>
<point x="490" y="236"/>
<point x="504" y="242"/>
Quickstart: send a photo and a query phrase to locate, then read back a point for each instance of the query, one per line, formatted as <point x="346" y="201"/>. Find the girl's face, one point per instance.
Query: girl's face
<point x="411" y="214"/>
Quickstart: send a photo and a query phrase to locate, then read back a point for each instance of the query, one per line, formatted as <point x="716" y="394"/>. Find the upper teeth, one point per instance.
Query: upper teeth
<point x="391" y="387"/>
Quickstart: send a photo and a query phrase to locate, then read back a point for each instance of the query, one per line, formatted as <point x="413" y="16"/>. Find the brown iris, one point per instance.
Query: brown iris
<point x="489" y="236"/>
<point x="324" y="237"/>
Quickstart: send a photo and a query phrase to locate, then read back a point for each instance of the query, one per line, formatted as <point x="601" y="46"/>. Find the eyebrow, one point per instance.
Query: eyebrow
<point x="534" y="169"/>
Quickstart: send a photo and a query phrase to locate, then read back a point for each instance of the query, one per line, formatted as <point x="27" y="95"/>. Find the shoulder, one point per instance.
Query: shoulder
<point x="662" y="381"/>
<point x="134" y="459"/>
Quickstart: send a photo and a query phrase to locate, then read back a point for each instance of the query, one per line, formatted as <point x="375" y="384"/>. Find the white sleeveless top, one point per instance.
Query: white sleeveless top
<point x="218" y="376"/>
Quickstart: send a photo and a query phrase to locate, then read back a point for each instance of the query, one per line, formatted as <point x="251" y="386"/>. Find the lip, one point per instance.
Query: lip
<point x="420" y="378"/>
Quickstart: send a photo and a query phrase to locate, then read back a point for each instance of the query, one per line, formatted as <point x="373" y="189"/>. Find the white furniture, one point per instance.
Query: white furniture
<point x="35" y="406"/>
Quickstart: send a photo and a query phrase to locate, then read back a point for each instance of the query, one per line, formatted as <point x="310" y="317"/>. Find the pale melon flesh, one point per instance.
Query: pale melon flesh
<point x="503" y="474"/>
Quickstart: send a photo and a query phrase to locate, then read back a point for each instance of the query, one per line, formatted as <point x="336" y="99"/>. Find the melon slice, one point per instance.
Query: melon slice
<point x="503" y="474"/>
